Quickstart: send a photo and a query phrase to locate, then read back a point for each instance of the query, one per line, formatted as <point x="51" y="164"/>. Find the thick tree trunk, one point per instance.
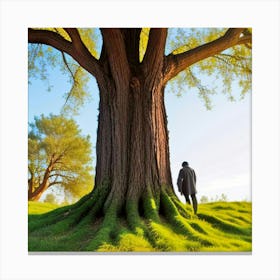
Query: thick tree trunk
<point x="30" y="186"/>
<point x="36" y="194"/>
<point x="132" y="142"/>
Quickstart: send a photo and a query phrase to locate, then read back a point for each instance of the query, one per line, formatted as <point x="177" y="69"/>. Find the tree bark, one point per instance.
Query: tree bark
<point x="132" y="139"/>
<point x="132" y="142"/>
<point x="34" y="194"/>
<point x="30" y="187"/>
<point x="37" y="193"/>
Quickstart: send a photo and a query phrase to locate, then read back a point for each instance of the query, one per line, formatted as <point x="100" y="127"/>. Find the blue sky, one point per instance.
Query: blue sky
<point x="216" y="143"/>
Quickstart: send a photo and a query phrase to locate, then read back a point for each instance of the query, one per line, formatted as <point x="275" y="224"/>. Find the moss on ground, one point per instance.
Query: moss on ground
<point x="218" y="227"/>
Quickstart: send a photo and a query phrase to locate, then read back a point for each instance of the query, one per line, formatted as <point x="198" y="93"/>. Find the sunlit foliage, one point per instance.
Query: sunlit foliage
<point x="144" y="37"/>
<point x="42" y="59"/>
<point x="57" y="148"/>
<point x="231" y="67"/>
<point x="227" y="68"/>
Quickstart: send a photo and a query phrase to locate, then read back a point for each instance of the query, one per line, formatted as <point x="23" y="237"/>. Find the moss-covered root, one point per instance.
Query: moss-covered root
<point x="180" y="224"/>
<point x="139" y="213"/>
<point x="128" y="241"/>
<point x="107" y="230"/>
<point x="127" y="233"/>
<point x="136" y="223"/>
<point x="134" y="220"/>
<point x="149" y="223"/>
<point x="151" y="204"/>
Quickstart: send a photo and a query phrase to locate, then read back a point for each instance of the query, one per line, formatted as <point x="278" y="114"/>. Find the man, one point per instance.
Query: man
<point x="187" y="184"/>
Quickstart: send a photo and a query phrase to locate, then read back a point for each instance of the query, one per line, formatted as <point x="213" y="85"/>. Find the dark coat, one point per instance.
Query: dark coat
<point x="187" y="181"/>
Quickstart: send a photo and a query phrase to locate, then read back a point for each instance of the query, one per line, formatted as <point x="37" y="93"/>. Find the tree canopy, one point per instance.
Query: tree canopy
<point x="191" y="55"/>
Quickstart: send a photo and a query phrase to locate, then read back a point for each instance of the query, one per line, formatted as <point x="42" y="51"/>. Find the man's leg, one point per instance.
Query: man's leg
<point x="194" y="202"/>
<point x="187" y="199"/>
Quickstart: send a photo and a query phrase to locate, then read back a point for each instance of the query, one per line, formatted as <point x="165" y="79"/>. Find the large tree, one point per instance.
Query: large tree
<point x="133" y="177"/>
<point x="58" y="155"/>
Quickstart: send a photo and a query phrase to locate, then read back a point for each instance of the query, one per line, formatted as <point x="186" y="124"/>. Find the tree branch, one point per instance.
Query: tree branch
<point x="116" y="52"/>
<point x="31" y="171"/>
<point x="77" y="41"/>
<point x="75" y="82"/>
<point x="131" y="40"/>
<point x="154" y="56"/>
<point x="55" y="183"/>
<point x="49" y="38"/>
<point x="61" y="175"/>
<point x="67" y="66"/>
<point x="177" y="63"/>
<point x="76" y="48"/>
<point x="246" y="39"/>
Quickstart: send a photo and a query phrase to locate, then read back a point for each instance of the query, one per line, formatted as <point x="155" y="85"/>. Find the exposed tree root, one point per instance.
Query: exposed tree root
<point x="150" y="223"/>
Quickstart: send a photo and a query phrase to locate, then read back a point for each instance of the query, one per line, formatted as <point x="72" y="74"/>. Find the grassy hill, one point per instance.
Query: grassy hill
<point x="35" y="207"/>
<point x="218" y="227"/>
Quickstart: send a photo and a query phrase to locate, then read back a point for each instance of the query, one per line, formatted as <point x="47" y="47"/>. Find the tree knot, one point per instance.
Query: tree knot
<point x="135" y="84"/>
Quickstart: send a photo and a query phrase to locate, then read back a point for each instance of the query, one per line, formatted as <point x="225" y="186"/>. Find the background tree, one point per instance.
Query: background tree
<point x="133" y="178"/>
<point x="50" y="198"/>
<point x="223" y="197"/>
<point x="58" y="155"/>
<point x="204" y="199"/>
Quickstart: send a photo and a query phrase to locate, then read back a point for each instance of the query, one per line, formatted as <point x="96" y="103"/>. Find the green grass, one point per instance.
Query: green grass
<point x="35" y="207"/>
<point x="218" y="227"/>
